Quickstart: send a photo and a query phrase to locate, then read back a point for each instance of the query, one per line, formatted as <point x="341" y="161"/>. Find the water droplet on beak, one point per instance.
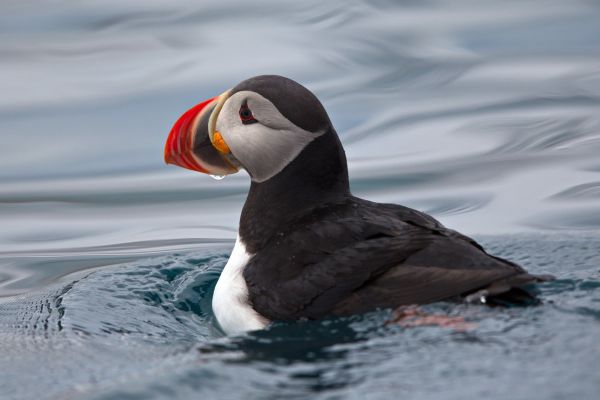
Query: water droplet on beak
<point x="218" y="177"/>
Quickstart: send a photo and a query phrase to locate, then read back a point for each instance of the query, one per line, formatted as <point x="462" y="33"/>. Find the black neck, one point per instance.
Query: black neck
<point x="317" y="176"/>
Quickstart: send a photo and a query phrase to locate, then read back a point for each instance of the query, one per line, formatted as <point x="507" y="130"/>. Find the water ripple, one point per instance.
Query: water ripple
<point x="483" y="114"/>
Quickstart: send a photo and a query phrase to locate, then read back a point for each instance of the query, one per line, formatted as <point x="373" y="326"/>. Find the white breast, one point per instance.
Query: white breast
<point x="230" y="299"/>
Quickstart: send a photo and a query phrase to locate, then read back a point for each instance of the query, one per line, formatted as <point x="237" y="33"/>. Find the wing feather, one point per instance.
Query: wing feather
<point x="360" y="258"/>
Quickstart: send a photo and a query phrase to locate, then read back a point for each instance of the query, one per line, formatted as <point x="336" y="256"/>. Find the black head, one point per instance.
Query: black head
<point x="295" y="102"/>
<point x="262" y="125"/>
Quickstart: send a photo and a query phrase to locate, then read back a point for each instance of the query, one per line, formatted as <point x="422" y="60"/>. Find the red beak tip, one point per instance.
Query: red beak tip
<point x="178" y="148"/>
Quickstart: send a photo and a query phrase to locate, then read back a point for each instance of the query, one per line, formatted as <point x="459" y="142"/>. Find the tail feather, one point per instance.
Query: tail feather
<point x="516" y="290"/>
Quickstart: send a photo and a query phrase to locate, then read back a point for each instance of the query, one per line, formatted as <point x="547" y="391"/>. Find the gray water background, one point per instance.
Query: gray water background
<point x="482" y="113"/>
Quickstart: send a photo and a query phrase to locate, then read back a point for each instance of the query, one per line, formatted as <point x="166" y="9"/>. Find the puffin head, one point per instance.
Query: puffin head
<point x="261" y="125"/>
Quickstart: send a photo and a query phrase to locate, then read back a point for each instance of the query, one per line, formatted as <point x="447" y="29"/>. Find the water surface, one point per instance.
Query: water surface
<point x="484" y="115"/>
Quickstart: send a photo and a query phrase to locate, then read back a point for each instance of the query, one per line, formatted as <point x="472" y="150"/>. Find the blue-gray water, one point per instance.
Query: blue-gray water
<point x="485" y="114"/>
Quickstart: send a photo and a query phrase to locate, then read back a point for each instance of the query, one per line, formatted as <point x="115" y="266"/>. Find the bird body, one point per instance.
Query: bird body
<point x="306" y="247"/>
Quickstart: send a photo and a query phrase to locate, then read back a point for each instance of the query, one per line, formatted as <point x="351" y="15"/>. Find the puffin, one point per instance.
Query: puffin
<point x="306" y="247"/>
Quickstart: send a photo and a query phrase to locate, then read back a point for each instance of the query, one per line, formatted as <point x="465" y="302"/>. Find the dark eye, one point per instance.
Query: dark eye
<point x="246" y="115"/>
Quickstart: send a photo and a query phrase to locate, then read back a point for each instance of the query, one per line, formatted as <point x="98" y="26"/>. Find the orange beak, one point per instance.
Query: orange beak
<point x="194" y="144"/>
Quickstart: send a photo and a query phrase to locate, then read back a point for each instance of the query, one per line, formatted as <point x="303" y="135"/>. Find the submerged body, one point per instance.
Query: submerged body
<point x="307" y="247"/>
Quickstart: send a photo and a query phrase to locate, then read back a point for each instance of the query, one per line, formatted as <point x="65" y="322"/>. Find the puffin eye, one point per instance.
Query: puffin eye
<point x="246" y="115"/>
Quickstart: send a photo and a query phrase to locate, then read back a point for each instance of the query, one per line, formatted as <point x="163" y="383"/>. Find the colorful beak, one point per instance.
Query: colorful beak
<point x="193" y="142"/>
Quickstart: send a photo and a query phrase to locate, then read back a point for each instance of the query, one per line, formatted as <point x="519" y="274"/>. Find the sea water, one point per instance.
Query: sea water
<point x="484" y="114"/>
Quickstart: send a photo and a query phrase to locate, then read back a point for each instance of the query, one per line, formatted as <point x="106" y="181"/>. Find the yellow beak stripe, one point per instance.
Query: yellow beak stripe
<point x="219" y="143"/>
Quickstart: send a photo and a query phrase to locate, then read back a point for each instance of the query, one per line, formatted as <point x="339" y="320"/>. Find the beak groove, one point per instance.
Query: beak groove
<point x="179" y="145"/>
<point x="194" y="144"/>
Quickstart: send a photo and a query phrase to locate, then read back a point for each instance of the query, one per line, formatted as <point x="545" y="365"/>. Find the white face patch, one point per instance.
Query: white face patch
<point x="266" y="147"/>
